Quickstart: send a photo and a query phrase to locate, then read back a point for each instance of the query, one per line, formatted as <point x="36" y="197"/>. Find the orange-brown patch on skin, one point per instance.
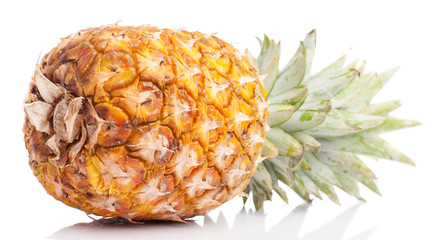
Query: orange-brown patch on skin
<point x="122" y="65"/>
<point x="116" y="129"/>
<point x="178" y="110"/>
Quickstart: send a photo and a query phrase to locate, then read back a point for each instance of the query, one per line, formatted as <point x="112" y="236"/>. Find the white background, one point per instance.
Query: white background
<point x="384" y="33"/>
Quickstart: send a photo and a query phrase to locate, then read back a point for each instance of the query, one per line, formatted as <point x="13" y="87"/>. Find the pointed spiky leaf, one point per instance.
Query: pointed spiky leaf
<point x="323" y="185"/>
<point x="360" y="92"/>
<point x="292" y="74"/>
<point x="326" y="87"/>
<point x="287" y="145"/>
<point x="309" y="185"/>
<point x="333" y="67"/>
<point x="391" y="124"/>
<point x="321" y="169"/>
<point x="345" y="98"/>
<point x="371" y="145"/>
<point x="340" y="123"/>
<point x="264" y="180"/>
<point x="309" y="143"/>
<point x="320" y="106"/>
<point x="295" y="96"/>
<point x="349" y="185"/>
<point x="303" y="120"/>
<point x="270" y="72"/>
<point x="381" y="109"/>
<point x="269" y="149"/>
<point x="375" y="85"/>
<point x="368" y="182"/>
<point x="269" y="51"/>
<point x="282" y="171"/>
<point x="346" y="161"/>
<point x="270" y="168"/>
<point x="279" y="113"/>
<point x="259" y="196"/>
<point x="310" y="46"/>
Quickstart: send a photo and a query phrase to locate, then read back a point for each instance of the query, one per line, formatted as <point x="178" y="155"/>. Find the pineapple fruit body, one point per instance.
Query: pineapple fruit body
<point x="145" y="123"/>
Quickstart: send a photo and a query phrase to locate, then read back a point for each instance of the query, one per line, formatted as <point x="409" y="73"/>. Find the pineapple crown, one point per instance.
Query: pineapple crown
<point x="320" y="124"/>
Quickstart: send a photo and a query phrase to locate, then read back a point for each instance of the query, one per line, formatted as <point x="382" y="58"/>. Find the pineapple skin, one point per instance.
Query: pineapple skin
<point x="144" y="123"/>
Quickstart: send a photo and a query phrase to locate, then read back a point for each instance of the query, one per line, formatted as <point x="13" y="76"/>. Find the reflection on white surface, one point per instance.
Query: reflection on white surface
<point x="247" y="225"/>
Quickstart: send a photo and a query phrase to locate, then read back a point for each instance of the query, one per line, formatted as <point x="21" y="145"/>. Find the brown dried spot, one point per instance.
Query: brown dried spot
<point x="48" y="90"/>
<point x="93" y="125"/>
<point x="38" y="113"/>
<point x="116" y="128"/>
<point x="66" y="75"/>
<point x="82" y="56"/>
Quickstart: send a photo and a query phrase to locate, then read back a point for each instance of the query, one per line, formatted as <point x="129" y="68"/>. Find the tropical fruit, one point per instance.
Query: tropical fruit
<point x="145" y="123"/>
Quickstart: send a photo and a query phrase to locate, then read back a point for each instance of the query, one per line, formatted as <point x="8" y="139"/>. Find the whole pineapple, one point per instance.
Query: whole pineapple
<point x="145" y="123"/>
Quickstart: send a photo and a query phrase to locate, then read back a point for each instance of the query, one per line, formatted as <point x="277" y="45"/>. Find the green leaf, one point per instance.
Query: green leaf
<point x="320" y="169"/>
<point x="350" y="97"/>
<point x="320" y="105"/>
<point x="292" y="74"/>
<point x="303" y="120"/>
<point x="258" y="195"/>
<point x="371" y="145"/>
<point x="271" y="72"/>
<point x="339" y="123"/>
<point x="323" y="185"/>
<point x="309" y="143"/>
<point x="295" y="96"/>
<point x="310" y="46"/>
<point x="349" y="185"/>
<point x="279" y="113"/>
<point x="347" y="161"/>
<point x="380" y="109"/>
<point x="377" y="84"/>
<point x="269" y="51"/>
<point x="334" y="67"/>
<point x="269" y="149"/>
<point x="270" y="168"/>
<point x="326" y="87"/>
<point x="360" y="92"/>
<point x="282" y="170"/>
<point x="299" y="187"/>
<point x="308" y="184"/>
<point x="287" y="145"/>
<point x="368" y="182"/>
<point x="264" y="180"/>
<point x="391" y="124"/>
<point x="281" y="162"/>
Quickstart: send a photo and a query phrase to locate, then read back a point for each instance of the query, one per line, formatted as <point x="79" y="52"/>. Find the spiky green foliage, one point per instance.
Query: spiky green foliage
<point x="320" y="124"/>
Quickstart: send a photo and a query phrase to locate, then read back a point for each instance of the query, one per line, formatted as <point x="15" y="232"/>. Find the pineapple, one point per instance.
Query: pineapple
<point x="145" y="123"/>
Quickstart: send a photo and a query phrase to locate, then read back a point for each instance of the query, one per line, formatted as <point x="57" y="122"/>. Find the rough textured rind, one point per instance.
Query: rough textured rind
<point x="146" y="123"/>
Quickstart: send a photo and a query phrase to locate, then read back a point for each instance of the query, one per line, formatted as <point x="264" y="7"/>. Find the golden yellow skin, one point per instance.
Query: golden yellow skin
<point x="170" y="124"/>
